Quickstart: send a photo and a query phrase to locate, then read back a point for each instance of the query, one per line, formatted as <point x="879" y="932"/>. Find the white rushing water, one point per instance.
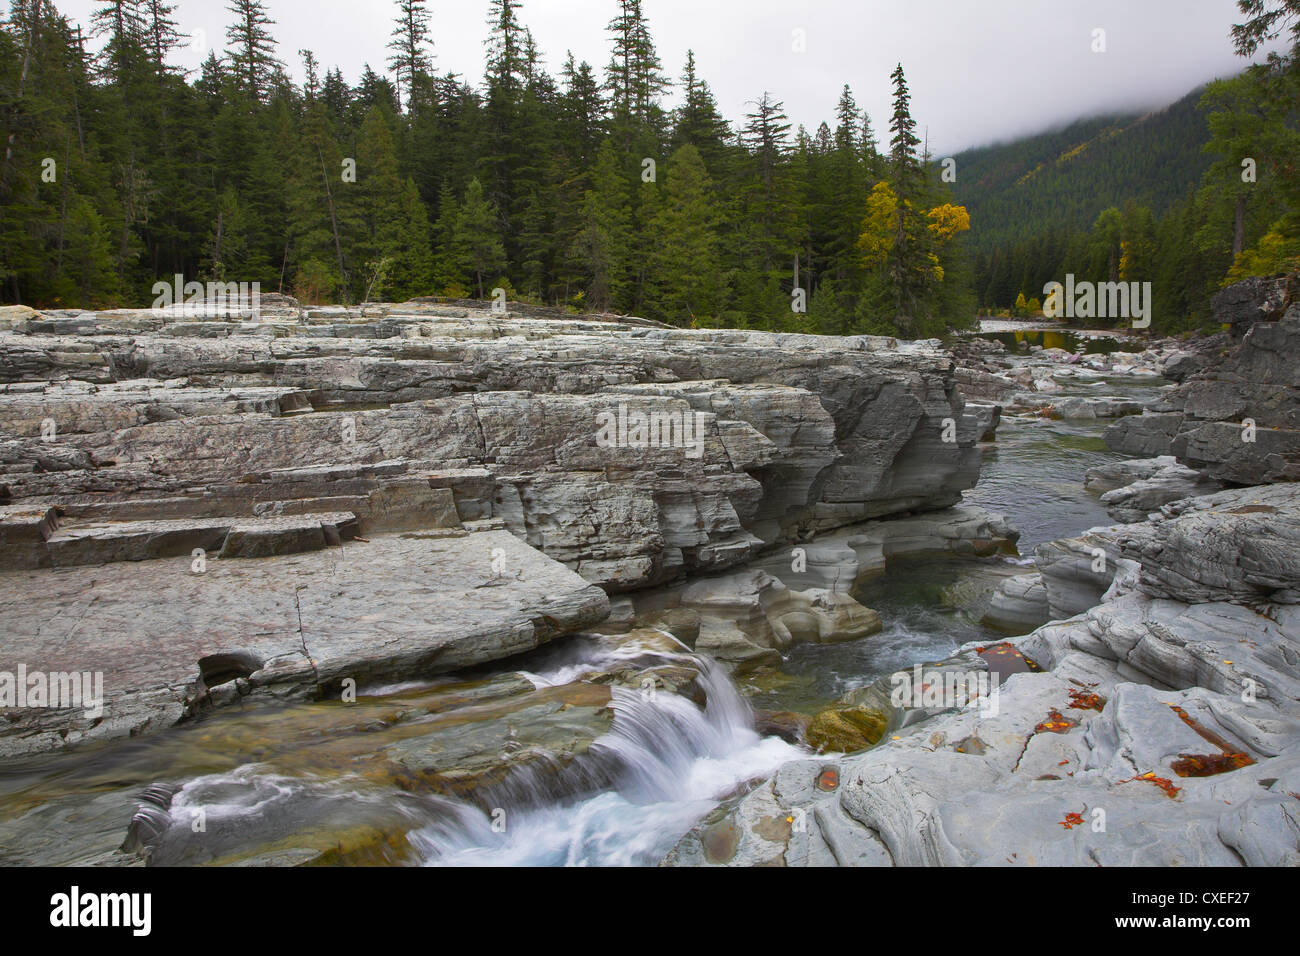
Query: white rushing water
<point x="671" y="763"/>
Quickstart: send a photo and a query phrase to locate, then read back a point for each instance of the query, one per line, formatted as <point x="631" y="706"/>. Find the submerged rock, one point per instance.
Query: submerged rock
<point x="750" y="617"/>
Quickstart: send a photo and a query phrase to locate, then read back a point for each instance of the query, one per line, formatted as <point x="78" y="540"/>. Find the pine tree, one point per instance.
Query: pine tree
<point x="122" y="24"/>
<point x="910" y="257"/>
<point x="697" y="121"/>
<point x="505" y="43"/>
<point x="378" y="203"/>
<point x="1107" y="246"/>
<point x="161" y="33"/>
<point x="635" y="80"/>
<point x="770" y="194"/>
<point x="410" y="39"/>
<point x="476" y="242"/>
<point x="252" y="49"/>
<point x="682" y="252"/>
<point x="582" y="111"/>
<point x="604" y="243"/>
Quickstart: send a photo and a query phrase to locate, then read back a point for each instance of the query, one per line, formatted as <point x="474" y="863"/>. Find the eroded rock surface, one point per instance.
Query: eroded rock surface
<point x="1235" y="417"/>
<point x="330" y="410"/>
<point x="1162" y="727"/>
<point x="171" y="641"/>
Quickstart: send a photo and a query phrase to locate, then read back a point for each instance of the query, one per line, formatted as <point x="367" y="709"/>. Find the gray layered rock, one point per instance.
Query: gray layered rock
<point x="244" y="505"/>
<point x="1133" y="489"/>
<point x="1235" y="418"/>
<point x="1019" y="605"/>
<point x="1241" y="545"/>
<point x="841" y="559"/>
<point x="228" y="417"/>
<point x="172" y="638"/>
<point x="1094" y="408"/>
<point x="803" y="593"/>
<point x="747" y="616"/>
<point x="1077" y="572"/>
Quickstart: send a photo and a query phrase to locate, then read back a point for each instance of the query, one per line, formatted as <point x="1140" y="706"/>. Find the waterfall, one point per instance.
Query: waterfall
<point x="667" y="764"/>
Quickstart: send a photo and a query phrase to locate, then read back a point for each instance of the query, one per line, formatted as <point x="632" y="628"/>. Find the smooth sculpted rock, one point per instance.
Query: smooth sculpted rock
<point x="1019" y="604"/>
<point x="751" y="617"/>
<point x="170" y="639"/>
<point x="1159" y="727"/>
<point x="1133" y="489"/>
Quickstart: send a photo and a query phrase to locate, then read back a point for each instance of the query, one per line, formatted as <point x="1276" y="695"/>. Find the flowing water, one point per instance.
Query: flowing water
<point x="323" y="782"/>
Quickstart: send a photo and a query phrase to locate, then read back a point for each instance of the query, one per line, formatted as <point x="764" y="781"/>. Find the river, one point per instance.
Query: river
<point x="317" y="782"/>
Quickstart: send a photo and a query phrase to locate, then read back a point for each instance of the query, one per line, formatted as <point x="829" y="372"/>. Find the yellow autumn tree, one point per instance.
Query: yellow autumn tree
<point x="877" y="238"/>
<point x="947" y="220"/>
<point x="1274" y="253"/>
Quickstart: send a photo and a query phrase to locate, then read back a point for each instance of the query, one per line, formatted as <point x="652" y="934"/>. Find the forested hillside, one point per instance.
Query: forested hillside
<point x="1186" y="198"/>
<point x="1065" y="178"/>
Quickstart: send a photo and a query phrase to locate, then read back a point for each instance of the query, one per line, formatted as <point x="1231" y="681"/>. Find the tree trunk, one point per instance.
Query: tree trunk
<point x="216" y="253"/>
<point x="63" y="207"/>
<point x="22" y="80"/>
<point x="329" y="196"/>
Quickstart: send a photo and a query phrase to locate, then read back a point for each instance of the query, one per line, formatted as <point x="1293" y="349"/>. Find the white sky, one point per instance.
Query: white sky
<point x="979" y="70"/>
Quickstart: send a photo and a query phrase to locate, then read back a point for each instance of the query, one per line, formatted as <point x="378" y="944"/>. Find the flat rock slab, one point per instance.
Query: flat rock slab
<point x="399" y="607"/>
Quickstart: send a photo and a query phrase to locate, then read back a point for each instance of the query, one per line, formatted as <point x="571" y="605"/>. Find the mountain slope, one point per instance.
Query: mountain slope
<point x="1064" y="179"/>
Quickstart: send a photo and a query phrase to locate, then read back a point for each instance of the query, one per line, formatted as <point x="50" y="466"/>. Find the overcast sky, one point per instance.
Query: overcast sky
<point x="979" y="70"/>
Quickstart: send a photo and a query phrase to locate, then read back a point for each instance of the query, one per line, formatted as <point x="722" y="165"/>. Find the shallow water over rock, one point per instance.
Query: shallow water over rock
<point x="593" y="750"/>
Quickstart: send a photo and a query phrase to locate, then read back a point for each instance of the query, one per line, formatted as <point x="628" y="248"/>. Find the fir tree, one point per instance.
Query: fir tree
<point x="251" y="48"/>
<point x="476" y="244"/>
<point x="410" y="60"/>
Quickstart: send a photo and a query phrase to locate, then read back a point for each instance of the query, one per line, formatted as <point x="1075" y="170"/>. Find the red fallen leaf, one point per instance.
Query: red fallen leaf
<point x="1056" y="723"/>
<point x="1063" y="763"/>
<point x="828" y="779"/>
<point x="1081" y="701"/>
<point x="1207" y="765"/>
<point x="1073" y="820"/>
<point x="1164" y="783"/>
